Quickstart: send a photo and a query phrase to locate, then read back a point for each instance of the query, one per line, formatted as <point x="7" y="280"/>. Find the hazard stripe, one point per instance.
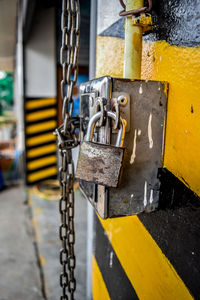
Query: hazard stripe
<point x="42" y="162"/>
<point x="40" y="123"/>
<point x="149" y="271"/>
<point x="42" y="150"/>
<point x="39" y="127"/>
<point x="52" y="171"/>
<point x="114" y="276"/>
<point x="40" y="139"/>
<point x="99" y="290"/>
<point x="41" y="115"/>
<point x="38" y="103"/>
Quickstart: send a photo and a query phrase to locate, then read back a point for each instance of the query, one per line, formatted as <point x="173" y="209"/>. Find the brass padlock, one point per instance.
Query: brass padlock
<point x="101" y="163"/>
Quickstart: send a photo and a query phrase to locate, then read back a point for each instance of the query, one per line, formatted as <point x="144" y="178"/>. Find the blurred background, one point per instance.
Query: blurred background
<point x="30" y="110"/>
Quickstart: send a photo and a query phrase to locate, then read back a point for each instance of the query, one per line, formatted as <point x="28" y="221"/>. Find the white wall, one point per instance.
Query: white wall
<point x="107" y="14"/>
<point x="40" y="56"/>
<point x="19" y="84"/>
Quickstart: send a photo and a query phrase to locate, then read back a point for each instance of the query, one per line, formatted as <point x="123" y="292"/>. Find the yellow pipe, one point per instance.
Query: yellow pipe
<point x="133" y="43"/>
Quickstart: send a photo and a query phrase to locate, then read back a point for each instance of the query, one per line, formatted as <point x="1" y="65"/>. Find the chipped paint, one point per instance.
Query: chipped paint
<point x="145" y="194"/>
<point x="140" y="90"/>
<point x="150" y="132"/>
<point x="139" y="132"/>
<point x="111" y="259"/>
<point x="151" y="197"/>
<point x="133" y="156"/>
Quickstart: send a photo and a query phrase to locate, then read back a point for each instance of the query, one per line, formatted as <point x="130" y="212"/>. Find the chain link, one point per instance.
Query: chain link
<point x="70" y="25"/>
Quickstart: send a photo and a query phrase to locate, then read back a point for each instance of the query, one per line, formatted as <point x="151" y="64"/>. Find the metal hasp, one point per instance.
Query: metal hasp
<point x="144" y="143"/>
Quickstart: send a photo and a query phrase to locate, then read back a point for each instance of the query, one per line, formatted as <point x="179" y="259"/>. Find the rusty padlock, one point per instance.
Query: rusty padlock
<point x="101" y="163"/>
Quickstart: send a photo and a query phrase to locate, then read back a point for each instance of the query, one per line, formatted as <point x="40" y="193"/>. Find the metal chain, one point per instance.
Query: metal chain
<point x="135" y="11"/>
<point x="70" y="25"/>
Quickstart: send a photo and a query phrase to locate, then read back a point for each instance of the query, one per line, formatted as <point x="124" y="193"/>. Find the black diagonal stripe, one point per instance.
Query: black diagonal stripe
<point x="39" y="121"/>
<point x="40" y="108"/>
<point x="39" y="180"/>
<point x="42" y="144"/>
<point x="41" y="168"/>
<point x="29" y="135"/>
<point x="118" y="285"/>
<point x="176" y="228"/>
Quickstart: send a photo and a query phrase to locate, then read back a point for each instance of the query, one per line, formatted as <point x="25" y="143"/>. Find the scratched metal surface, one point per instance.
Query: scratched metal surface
<point x="139" y="189"/>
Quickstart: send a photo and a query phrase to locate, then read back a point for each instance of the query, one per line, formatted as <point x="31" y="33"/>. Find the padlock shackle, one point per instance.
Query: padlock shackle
<point x="119" y="141"/>
<point x="91" y="125"/>
<point x="95" y="118"/>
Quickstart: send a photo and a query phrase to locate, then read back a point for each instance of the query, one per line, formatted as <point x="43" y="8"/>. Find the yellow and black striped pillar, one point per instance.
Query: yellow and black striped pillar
<point x="40" y="122"/>
<point x="156" y="255"/>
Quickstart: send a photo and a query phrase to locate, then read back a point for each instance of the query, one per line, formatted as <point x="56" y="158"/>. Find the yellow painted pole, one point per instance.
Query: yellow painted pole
<point x="133" y="43"/>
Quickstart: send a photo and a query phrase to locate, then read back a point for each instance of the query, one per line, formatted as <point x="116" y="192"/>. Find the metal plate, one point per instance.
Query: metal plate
<point x="139" y="190"/>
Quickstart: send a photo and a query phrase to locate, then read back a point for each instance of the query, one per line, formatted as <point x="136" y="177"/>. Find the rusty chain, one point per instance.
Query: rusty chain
<point x="135" y="11"/>
<point x="66" y="135"/>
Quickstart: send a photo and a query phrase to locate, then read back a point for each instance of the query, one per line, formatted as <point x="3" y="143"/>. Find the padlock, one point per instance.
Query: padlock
<point x="101" y="163"/>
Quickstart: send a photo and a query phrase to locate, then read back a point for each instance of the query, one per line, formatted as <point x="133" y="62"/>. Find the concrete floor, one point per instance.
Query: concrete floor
<point x="30" y="246"/>
<point x="19" y="272"/>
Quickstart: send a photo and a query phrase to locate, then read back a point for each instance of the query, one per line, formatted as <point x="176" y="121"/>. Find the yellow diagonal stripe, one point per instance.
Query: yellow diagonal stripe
<point x="31" y="104"/>
<point x="99" y="290"/>
<point x="35" y="164"/>
<point x="43" y="138"/>
<point x="42" y="174"/>
<point x="41" y="115"/>
<point x="148" y="269"/>
<point x="41" y="150"/>
<point x="40" y="127"/>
